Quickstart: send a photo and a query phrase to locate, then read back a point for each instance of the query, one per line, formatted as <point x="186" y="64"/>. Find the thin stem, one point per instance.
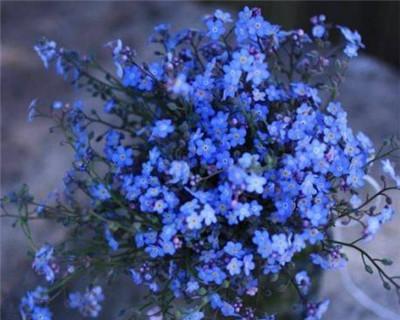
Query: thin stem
<point x="372" y="260"/>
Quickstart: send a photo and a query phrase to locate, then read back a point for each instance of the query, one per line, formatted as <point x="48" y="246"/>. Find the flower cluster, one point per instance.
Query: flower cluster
<point x="88" y="303"/>
<point x="218" y="169"/>
<point x="33" y="305"/>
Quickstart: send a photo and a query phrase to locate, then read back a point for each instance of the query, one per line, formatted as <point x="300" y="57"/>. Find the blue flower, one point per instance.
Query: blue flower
<point x="258" y="73"/>
<point x="223" y="16"/>
<point x="234" y="266"/>
<point x="303" y="281"/>
<point x="242" y="211"/>
<point x="388" y="168"/>
<point x="316" y="311"/>
<point x="234" y="249"/>
<point x="214" y="274"/>
<point x="192" y="286"/>
<point x="353" y="41"/>
<point x="162" y="128"/>
<point x="308" y="187"/>
<point x="57" y="105"/>
<point x="248" y="264"/>
<point x="284" y="207"/>
<point x="180" y="86"/>
<point x="224" y="160"/>
<point x="194" y="221"/>
<point x="122" y="157"/>
<point x="30" y="306"/>
<point x="208" y="215"/>
<point x="47" y="51"/>
<point x="196" y="315"/>
<point x="318" y="31"/>
<point x="227" y="309"/>
<point x="180" y="172"/>
<point x="355" y="178"/>
<point x="136" y="277"/>
<point x="236" y="136"/>
<point x="87" y="303"/>
<point x="32" y="110"/>
<point x="317" y="149"/>
<point x="215" y="28"/>
<point x="242" y="60"/>
<point x="113" y="244"/>
<point x="263" y="242"/>
<point x="255" y="183"/>
<point x="42" y="262"/>
<point x="41" y="313"/>
<point x="274" y="93"/>
<point x="330" y="260"/>
<point x="100" y="192"/>
<point x="205" y="148"/>
<point x="131" y="76"/>
<point x="109" y="106"/>
<point x="279" y="243"/>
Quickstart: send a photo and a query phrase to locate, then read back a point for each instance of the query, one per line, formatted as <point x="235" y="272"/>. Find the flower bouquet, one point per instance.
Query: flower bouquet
<point x="212" y="178"/>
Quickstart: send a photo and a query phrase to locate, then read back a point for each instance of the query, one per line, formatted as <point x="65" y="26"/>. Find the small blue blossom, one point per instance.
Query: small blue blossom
<point x="236" y="137"/>
<point x="47" y="51"/>
<point x="32" y="110"/>
<point x="194" y="221"/>
<point x="388" y="168"/>
<point x="303" y="281"/>
<point x="215" y="28"/>
<point x="208" y="215"/>
<point x="205" y="148"/>
<point x="131" y="76"/>
<point x="316" y="311"/>
<point x="319" y="28"/>
<point x="234" y="249"/>
<point x="255" y="183"/>
<point x="197" y="315"/>
<point x="180" y="172"/>
<point x="43" y="262"/>
<point x="330" y="260"/>
<point x="223" y="16"/>
<point x="100" y="192"/>
<point x="113" y="244"/>
<point x="318" y="31"/>
<point x="57" y="105"/>
<point x="122" y="157"/>
<point x="353" y="41"/>
<point x="263" y="242"/>
<point x="109" y="106"/>
<point x="192" y="286"/>
<point x="87" y="303"/>
<point x="31" y="305"/>
<point x="41" y="313"/>
<point x="248" y="264"/>
<point x="162" y="128"/>
<point x="234" y="266"/>
<point x="258" y="73"/>
<point x="214" y="274"/>
<point x="242" y="60"/>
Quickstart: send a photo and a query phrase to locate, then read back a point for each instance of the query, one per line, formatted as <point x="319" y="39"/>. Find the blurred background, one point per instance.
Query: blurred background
<point x="371" y="95"/>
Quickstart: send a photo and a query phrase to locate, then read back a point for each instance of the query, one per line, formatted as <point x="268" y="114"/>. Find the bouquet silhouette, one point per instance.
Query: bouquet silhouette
<point x="213" y="177"/>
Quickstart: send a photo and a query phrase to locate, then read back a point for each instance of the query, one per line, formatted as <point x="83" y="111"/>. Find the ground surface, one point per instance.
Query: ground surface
<point x="371" y="96"/>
